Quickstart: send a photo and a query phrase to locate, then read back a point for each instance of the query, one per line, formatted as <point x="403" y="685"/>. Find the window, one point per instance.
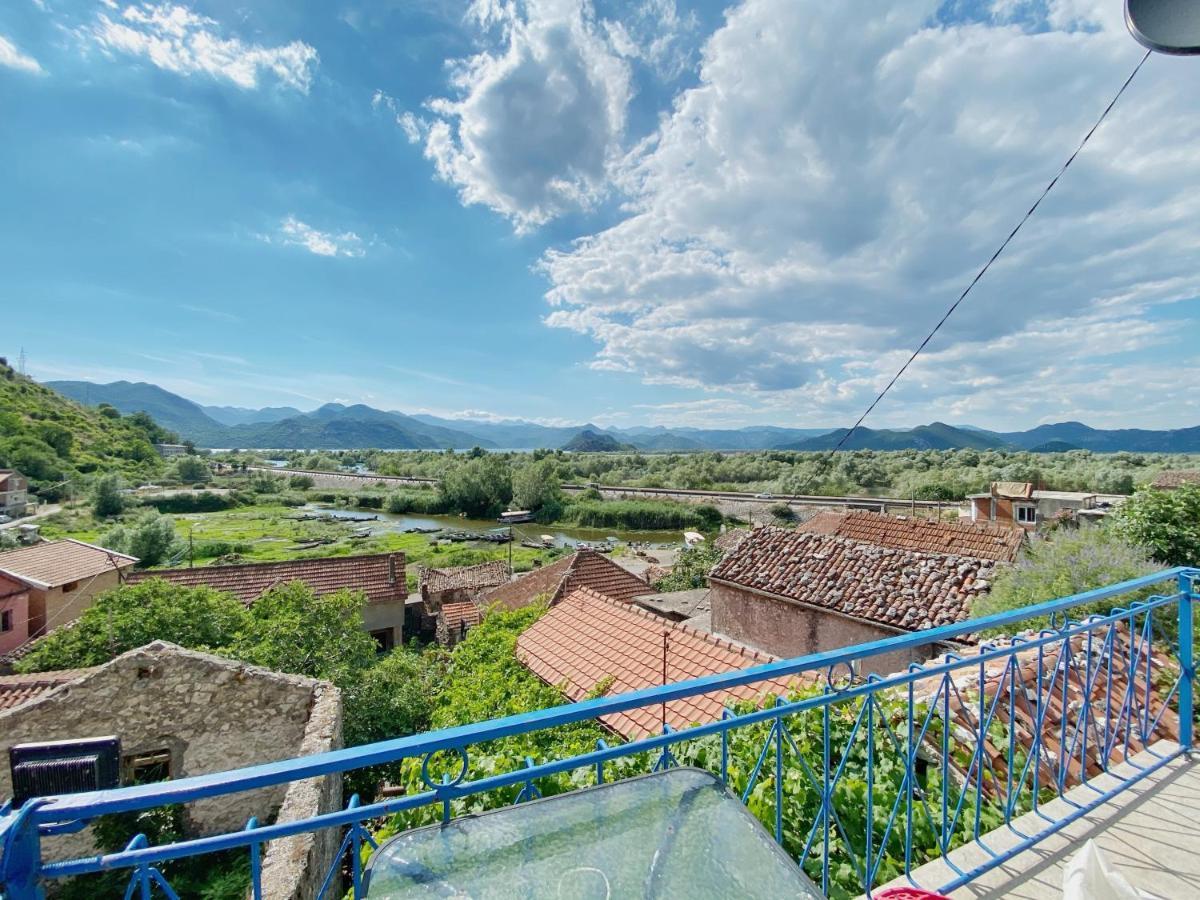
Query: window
<point x="147" y="768"/>
<point x="6" y="622"/>
<point x="384" y="640"/>
<point x="1026" y="515"/>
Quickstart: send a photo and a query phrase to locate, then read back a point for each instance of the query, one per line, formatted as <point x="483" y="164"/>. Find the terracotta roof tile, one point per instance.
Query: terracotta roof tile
<point x="460" y="613"/>
<point x="18" y="689"/>
<point x="902" y="588"/>
<point x="588" y="638"/>
<point x="477" y="577"/>
<point x="54" y="563"/>
<point x="1170" y="479"/>
<point x="983" y="540"/>
<point x="380" y="576"/>
<point x="730" y="539"/>
<point x="584" y="568"/>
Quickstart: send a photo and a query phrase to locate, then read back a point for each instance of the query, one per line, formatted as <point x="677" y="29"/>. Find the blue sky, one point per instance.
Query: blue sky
<point x="641" y="212"/>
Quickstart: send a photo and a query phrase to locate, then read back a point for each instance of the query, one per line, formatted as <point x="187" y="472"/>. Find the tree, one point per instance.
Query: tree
<point x="535" y="485"/>
<point x="1168" y="522"/>
<point x="479" y="487"/>
<point x="151" y="539"/>
<point x="292" y="630"/>
<point x="1064" y="563"/>
<point x="107" y="500"/>
<point x="133" y="615"/>
<point x="190" y="469"/>
<point x="691" y="569"/>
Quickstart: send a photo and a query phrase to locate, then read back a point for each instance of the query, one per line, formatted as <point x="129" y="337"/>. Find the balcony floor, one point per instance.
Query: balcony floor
<point x="1150" y="832"/>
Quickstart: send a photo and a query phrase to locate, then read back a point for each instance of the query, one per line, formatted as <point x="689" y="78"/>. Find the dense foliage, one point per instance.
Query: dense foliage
<point x="1065" y="562"/>
<point x="1167" y="522"/>
<point x="924" y="474"/>
<point x="58" y="443"/>
<point x="691" y="569"/>
<point x="151" y="538"/>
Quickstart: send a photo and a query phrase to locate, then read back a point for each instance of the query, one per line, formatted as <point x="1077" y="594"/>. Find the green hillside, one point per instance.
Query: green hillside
<point x="54" y="440"/>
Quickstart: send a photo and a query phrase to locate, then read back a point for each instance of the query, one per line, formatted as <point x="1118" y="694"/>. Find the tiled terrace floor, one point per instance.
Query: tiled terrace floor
<point x="1150" y="832"/>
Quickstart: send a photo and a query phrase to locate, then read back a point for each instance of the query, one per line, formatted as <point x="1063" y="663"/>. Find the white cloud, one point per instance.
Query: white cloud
<point x="292" y="232"/>
<point x="13" y="58"/>
<point x="811" y="207"/>
<point x="175" y="38"/>
<point x="537" y="119"/>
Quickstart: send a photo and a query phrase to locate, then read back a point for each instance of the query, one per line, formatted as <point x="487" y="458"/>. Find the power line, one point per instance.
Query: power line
<point x="1012" y="234"/>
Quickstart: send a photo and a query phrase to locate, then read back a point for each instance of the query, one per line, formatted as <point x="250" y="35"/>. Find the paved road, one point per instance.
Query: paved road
<point x="882" y="504"/>
<point x="47" y="509"/>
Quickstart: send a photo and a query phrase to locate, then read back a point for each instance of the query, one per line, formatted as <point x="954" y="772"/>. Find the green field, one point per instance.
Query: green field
<point x="264" y="533"/>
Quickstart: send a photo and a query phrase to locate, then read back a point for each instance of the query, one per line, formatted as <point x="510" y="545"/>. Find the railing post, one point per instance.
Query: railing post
<point x="1187" y="667"/>
<point x="21" y="846"/>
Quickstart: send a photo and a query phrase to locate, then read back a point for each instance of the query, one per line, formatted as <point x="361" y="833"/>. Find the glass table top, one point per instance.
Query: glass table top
<point x="678" y="833"/>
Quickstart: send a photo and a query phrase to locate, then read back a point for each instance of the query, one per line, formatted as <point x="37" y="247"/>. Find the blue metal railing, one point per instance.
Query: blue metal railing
<point x="942" y="752"/>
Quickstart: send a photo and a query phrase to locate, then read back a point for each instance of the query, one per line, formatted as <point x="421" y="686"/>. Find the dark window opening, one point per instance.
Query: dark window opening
<point x="6" y="620"/>
<point x="384" y="639"/>
<point x="147" y="768"/>
<point x="70" y="586"/>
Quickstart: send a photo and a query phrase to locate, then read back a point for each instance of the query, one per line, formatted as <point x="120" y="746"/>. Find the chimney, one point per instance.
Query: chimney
<point x="391" y="568"/>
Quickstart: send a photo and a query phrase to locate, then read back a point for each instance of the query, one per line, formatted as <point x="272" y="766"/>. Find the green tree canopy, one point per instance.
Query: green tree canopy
<point x="190" y="469"/>
<point x="1167" y="522"/>
<point x="133" y="615"/>
<point x="107" y="499"/>
<point x="481" y="486"/>
<point x="1066" y="562"/>
<point x="535" y="485"/>
<point x="151" y="538"/>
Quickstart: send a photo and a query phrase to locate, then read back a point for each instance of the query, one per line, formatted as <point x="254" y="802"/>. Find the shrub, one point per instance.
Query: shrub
<point x="107" y="500"/>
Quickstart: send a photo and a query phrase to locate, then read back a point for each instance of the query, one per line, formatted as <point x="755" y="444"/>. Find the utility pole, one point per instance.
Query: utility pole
<point x="510" y="540"/>
<point x="666" y="638"/>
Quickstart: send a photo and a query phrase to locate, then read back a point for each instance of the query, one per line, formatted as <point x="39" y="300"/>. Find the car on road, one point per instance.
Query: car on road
<point x="763" y="497"/>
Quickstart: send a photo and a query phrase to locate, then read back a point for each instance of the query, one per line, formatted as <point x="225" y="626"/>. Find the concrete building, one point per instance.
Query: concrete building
<point x="793" y="593"/>
<point x="180" y="713"/>
<point x="52" y="583"/>
<point x="14" y="493"/>
<point x="1013" y="503"/>
<point x="170" y="451"/>
<point x="380" y="576"/>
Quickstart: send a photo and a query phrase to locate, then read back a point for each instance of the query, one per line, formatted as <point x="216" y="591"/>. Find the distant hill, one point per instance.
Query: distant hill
<point x="169" y="410"/>
<point x="588" y="441"/>
<point x="337" y="426"/>
<point x="53" y="439"/>
<point x="935" y="436"/>
<point x="239" y="415"/>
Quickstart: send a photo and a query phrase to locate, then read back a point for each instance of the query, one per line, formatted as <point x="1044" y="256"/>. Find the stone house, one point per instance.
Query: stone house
<point x="448" y="606"/>
<point x="380" y="576"/>
<point x="180" y="713"/>
<point x="793" y="593"/>
<point x="52" y="583"/>
<point x="14" y="493"/>
<point x="1006" y="502"/>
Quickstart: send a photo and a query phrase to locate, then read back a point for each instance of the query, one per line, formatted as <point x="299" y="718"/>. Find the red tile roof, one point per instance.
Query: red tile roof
<point x="901" y="588"/>
<point x="380" y="576"/>
<point x="730" y="539"/>
<point x="471" y="578"/>
<point x="18" y="689"/>
<point x="1170" y="479"/>
<point x="54" y="563"/>
<point x="983" y="540"/>
<point x="460" y="613"/>
<point x="588" y="638"/>
<point x="583" y="568"/>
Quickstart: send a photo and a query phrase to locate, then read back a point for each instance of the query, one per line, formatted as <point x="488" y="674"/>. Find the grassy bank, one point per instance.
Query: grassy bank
<point x="639" y="515"/>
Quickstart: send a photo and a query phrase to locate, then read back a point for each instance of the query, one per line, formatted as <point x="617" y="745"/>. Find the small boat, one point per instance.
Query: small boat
<point x="547" y="540"/>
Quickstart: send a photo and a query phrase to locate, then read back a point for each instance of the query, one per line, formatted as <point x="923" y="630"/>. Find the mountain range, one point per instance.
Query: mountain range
<point x="337" y="426"/>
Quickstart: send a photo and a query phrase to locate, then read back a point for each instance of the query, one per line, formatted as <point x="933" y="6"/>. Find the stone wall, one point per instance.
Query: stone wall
<point x="210" y="714"/>
<point x="294" y="867"/>
<point x="786" y="628"/>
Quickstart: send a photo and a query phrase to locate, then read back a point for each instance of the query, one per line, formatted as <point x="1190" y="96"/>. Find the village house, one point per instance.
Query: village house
<point x="379" y="576"/>
<point x="52" y="583"/>
<point x="178" y="713"/>
<point x="797" y="592"/>
<point x="14" y="493"/>
<point x="1019" y="504"/>
<point x="583" y="568"/>
<point x="448" y="608"/>
<point x="589" y="645"/>
<point x="170" y="451"/>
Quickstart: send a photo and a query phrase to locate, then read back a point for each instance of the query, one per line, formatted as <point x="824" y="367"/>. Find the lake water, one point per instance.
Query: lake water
<point x="564" y="535"/>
